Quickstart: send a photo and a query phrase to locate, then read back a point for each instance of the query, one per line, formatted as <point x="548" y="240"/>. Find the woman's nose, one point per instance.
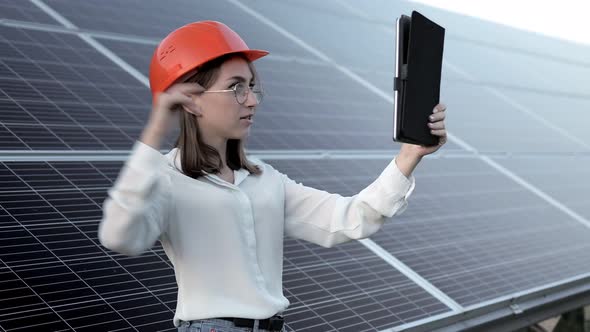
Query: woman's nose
<point x="251" y="99"/>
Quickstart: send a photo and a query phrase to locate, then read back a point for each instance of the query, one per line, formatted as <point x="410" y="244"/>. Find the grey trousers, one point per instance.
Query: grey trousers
<point x="217" y="325"/>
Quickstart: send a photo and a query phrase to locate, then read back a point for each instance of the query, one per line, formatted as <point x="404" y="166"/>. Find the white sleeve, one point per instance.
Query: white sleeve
<point x="328" y="219"/>
<point x="135" y="212"/>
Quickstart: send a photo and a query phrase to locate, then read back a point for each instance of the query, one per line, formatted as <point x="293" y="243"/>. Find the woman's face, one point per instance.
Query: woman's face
<point x="221" y="111"/>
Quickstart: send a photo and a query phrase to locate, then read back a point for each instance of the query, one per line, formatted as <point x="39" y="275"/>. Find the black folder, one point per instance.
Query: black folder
<point x="418" y="65"/>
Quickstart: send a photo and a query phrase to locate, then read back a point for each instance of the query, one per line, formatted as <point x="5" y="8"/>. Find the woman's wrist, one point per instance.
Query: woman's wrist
<point x="406" y="161"/>
<point x="152" y="136"/>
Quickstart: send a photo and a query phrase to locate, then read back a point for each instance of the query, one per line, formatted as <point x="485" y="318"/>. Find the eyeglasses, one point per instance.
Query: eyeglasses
<point x="241" y="91"/>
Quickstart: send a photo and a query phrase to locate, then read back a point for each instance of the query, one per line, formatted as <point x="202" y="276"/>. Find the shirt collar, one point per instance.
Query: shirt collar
<point x="174" y="160"/>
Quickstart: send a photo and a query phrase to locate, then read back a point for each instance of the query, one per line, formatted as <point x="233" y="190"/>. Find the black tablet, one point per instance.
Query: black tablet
<point x="418" y="65"/>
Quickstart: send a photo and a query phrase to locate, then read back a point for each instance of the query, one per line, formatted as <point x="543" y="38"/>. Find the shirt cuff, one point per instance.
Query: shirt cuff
<point x="142" y="168"/>
<point x="388" y="194"/>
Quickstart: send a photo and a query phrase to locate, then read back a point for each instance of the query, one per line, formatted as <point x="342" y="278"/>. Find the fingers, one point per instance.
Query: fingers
<point x="192" y="88"/>
<point x="436" y="125"/>
<point x="439" y="132"/>
<point x="186" y="88"/>
<point x="437" y="114"/>
<point x="179" y="98"/>
<point x="440" y="108"/>
<point x="175" y="100"/>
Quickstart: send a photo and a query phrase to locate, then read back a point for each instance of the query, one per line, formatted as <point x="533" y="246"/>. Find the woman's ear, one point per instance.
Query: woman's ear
<point x="196" y="107"/>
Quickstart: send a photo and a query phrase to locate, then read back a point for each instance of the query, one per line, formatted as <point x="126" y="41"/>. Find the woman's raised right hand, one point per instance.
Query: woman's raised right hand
<point x="175" y="98"/>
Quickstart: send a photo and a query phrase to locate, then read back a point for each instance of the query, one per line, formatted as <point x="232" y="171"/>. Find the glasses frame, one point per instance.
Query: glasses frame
<point x="248" y="91"/>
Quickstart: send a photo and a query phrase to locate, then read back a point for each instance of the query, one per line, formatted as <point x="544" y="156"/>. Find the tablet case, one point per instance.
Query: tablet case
<point x="418" y="65"/>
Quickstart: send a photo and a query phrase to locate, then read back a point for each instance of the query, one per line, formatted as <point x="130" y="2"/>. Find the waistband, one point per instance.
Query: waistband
<point x="274" y="323"/>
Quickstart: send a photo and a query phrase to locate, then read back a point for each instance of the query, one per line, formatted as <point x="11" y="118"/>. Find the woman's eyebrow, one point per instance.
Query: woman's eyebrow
<point x="239" y="79"/>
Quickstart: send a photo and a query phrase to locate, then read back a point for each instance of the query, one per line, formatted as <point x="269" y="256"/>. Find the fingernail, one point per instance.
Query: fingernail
<point x="431" y="118"/>
<point x="435" y="110"/>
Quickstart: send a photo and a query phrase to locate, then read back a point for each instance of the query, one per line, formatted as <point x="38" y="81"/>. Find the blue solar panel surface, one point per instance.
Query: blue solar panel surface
<point x="503" y="209"/>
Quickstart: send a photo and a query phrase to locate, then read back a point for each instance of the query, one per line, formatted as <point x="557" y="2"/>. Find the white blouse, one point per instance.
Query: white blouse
<point x="224" y="239"/>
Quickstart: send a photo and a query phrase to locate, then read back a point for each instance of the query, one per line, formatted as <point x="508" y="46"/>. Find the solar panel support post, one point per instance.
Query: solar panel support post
<point x="573" y="321"/>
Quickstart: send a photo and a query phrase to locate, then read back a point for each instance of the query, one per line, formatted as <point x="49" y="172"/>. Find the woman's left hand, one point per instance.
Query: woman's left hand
<point x="437" y="127"/>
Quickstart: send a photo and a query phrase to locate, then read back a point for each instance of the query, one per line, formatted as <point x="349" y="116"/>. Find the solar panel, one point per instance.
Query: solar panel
<point x="58" y="270"/>
<point x="8" y="141"/>
<point x="362" y="44"/>
<point x="52" y="257"/>
<point x="61" y="94"/>
<point x="465" y="234"/>
<point x="330" y="7"/>
<point x="475" y="31"/>
<point x="496" y="248"/>
<point x="558" y="176"/>
<point x="563" y="121"/>
<point x="24" y="11"/>
<point x="542" y="74"/>
<point x="479" y="119"/>
<point x="488" y="219"/>
<point x="348" y="288"/>
<point x="156" y="19"/>
<point x="496" y="125"/>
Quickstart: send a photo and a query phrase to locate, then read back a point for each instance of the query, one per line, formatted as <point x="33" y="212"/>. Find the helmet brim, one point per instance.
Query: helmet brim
<point x="253" y="55"/>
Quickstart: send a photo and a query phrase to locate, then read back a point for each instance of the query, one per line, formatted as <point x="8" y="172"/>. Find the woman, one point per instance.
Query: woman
<point x="220" y="216"/>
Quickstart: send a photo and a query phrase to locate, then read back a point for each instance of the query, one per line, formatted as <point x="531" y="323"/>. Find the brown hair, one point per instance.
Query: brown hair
<point x="196" y="156"/>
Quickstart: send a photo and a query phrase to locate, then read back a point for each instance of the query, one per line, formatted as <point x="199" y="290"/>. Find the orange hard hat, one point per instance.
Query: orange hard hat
<point x="190" y="46"/>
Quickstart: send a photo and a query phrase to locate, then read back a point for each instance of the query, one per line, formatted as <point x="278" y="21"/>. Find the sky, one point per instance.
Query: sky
<point x="565" y="19"/>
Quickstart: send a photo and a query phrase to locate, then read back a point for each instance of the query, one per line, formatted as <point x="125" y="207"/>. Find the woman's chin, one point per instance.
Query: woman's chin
<point x="243" y="134"/>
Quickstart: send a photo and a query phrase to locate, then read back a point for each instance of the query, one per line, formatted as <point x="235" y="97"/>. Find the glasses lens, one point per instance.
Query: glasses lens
<point x="258" y="94"/>
<point x="241" y="93"/>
